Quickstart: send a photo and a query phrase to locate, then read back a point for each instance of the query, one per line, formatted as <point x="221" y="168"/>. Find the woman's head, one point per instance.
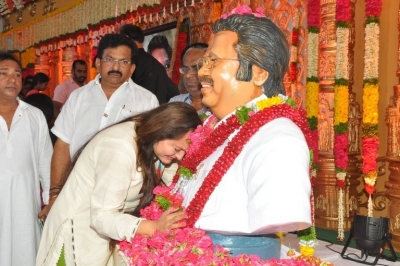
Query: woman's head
<point x="162" y="132"/>
<point x="40" y="81"/>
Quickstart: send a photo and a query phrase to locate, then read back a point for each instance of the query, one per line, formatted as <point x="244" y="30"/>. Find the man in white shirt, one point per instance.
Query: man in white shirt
<point x="25" y="154"/>
<point x="251" y="176"/>
<point x="111" y="97"/>
<point x="64" y="89"/>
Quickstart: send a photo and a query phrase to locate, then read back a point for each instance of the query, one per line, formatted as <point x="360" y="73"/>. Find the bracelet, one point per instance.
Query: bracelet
<point x="53" y="197"/>
<point x="53" y="188"/>
<point x="54" y="194"/>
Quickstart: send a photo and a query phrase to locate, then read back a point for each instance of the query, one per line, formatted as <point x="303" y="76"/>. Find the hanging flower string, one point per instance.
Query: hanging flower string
<point x="294" y="48"/>
<point x="179" y="46"/>
<point x="370" y="140"/>
<point x="312" y="85"/>
<point x="341" y="101"/>
<point x="307" y="238"/>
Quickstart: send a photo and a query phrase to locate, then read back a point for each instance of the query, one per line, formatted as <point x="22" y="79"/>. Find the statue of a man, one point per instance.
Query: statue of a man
<point x="254" y="180"/>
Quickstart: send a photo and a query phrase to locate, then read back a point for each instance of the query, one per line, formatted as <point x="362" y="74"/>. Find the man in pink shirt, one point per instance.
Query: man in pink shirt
<point x="63" y="90"/>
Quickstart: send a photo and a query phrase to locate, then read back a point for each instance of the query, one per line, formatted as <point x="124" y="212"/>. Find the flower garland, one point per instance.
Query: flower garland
<point x="341" y="101"/>
<point x="250" y="119"/>
<point x="307" y="238"/>
<point x="209" y="140"/>
<point x="312" y="84"/>
<point x="294" y="49"/>
<point x="179" y="46"/>
<point x="370" y="140"/>
<point x="188" y="246"/>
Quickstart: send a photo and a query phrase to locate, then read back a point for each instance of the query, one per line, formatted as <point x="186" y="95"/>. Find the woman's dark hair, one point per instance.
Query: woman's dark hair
<point x="168" y="121"/>
<point x="43" y="102"/>
<point x="40" y="78"/>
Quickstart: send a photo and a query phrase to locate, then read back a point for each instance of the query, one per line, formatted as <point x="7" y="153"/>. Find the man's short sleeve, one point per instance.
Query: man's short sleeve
<point x="60" y="93"/>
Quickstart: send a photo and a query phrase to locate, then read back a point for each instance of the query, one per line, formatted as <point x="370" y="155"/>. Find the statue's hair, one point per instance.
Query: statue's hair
<point x="260" y="43"/>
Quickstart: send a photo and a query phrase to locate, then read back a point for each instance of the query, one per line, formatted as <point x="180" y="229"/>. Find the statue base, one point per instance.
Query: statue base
<point x="265" y="246"/>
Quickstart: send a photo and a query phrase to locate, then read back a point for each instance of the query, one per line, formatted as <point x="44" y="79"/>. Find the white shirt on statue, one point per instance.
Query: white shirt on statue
<point x="88" y="111"/>
<point x="266" y="190"/>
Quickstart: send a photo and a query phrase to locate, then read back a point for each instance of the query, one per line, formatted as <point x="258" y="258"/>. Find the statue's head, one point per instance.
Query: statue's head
<point x="247" y="56"/>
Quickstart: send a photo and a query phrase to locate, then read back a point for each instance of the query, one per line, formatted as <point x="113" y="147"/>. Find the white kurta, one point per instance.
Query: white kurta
<point x="266" y="190"/>
<point x="87" y="111"/>
<point x="25" y="154"/>
<point x="90" y="208"/>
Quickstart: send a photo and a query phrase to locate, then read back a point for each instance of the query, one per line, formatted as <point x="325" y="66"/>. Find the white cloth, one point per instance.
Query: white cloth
<point x="90" y="209"/>
<point x="25" y="154"/>
<point x="88" y="110"/>
<point x="266" y="190"/>
<point x="64" y="90"/>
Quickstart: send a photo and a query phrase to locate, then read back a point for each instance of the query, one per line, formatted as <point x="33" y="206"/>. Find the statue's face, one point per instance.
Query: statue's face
<point x="222" y="92"/>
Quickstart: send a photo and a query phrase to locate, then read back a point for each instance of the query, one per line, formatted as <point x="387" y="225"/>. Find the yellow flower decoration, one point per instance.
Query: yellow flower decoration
<point x="370" y="104"/>
<point x="341" y="104"/>
<point x="269" y="102"/>
<point x="307" y="250"/>
<point x="312" y="105"/>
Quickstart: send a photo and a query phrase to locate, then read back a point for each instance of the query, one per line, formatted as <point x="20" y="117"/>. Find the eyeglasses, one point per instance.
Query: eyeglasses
<point x="110" y="61"/>
<point x="185" y="69"/>
<point x="208" y="61"/>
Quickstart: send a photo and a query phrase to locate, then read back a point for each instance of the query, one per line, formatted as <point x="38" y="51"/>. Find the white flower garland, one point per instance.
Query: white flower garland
<point x="342" y="53"/>
<point x="341" y="215"/>
<point x="312" y="64"/>
<point x="371" y="57"/>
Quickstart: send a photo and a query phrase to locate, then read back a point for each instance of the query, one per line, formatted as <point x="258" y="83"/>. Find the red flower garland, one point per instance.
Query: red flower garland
<point x="180" y="46"/>
<point x="373" y="8"/>
<point x="343" y="13"/>
<point x="313" y="18"/>
<point x="209" y="145"/>
<point x="234" y="148"/>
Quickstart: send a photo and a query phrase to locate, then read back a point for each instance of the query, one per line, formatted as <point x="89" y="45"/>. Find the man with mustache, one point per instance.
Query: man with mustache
<point x="250" y="175"/>
<point x="111" y="97"/>
<point x="64" y="89"/>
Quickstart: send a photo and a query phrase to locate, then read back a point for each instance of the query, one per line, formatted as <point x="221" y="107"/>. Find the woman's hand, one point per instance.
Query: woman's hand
<point x="170" y="219"/>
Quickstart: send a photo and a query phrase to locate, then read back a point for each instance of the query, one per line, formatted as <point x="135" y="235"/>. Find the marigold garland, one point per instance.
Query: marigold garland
<point x="370" y="140"/>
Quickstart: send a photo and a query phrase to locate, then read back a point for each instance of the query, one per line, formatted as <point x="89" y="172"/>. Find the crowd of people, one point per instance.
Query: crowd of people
<point x="77" y="169"/>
